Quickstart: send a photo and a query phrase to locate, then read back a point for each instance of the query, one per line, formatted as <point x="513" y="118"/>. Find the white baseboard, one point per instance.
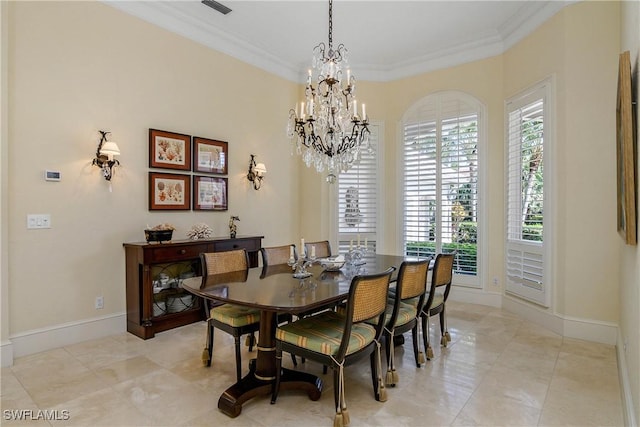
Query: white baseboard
<point x="38" y="340"/>
<point x="6" y="354"/>
<point x="623" y="375"/>
<point x="571" y="327"/>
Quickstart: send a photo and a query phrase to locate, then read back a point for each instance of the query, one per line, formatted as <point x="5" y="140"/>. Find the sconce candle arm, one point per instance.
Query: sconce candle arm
<point x="256" y="172"/>
<point x="104" y="160"/>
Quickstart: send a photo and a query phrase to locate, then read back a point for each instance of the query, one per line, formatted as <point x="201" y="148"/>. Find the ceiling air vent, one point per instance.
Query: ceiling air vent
<point x="217" y="6"/>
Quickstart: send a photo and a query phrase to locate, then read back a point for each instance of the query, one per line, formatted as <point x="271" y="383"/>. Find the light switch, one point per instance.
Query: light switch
<point x="35" y="221"/>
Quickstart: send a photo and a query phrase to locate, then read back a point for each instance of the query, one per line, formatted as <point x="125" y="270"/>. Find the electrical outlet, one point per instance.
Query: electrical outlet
<point x="99" y="302"/>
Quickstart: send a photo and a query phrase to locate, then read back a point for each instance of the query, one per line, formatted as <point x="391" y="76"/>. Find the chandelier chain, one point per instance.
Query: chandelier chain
<point x="330" y="24"/>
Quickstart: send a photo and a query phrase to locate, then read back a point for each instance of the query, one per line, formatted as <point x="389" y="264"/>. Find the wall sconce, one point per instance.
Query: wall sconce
<point x="104" y="155"/>
<point x="256" y="172"/>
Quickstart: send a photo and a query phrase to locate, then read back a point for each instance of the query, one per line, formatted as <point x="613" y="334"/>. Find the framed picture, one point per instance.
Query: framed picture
<point x="210" y="156"/>
<point x="169" y="150"/>
<point x="169" y="191"/>
<point x="209" y="193"/>
<point x="626" y="157"/>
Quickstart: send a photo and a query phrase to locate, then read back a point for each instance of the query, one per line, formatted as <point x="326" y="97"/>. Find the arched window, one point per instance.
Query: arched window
<point x="443" y="134"/>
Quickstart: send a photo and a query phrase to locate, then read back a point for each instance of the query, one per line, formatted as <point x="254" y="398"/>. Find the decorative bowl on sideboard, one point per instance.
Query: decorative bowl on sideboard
<point x="158" y="235"/>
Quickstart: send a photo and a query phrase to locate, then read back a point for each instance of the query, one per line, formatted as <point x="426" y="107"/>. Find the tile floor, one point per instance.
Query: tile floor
<point x="497" y="370"/>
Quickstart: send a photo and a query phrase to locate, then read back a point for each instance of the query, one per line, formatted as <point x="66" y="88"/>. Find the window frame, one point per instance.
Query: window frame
<point x="545" y="90"/>
<point x="478" y="281"/>
<point x="334" y="203"/>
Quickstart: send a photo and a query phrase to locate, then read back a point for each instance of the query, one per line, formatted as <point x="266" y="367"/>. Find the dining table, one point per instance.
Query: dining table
<point x="274" y="290"/>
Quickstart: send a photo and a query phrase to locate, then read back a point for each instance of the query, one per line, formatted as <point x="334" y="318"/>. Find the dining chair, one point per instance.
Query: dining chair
<point x="233" y="319"/>
<point x="340" y="339"/>
<point x="277" y="255"/>
<point x="323" y="249"/>
<point x="403" y="312"/>
<point x="440" y="278"/>
<point x="275" y="261"/>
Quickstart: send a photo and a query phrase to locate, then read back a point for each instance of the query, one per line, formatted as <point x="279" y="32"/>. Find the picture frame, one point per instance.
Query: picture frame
<point x="169" y="150"/>
<point x="210" y="193"/>
<point x="626" y="154"/>
<point x="168" y="191"/>
<point x="210" y="156"/>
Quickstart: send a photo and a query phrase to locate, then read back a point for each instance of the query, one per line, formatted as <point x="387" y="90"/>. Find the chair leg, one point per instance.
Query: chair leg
<point x="336" y="386"/>
<point x="250" y="341"/>
<point x="276" y="384"/>
<point x="293" y="359"/>
<point x="238" y="359"/>
<point x="446" y="327"/>
<point x="379" y="389"/>
<point x="391" y="378"/>
<point x="443" y="339"/>
<point x="210" y="343"/>
<point x="425" y="336"/>
<point x="417" y="354"/>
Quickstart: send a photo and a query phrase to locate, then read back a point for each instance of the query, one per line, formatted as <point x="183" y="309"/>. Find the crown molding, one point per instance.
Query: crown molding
<point x="169" y="15"/>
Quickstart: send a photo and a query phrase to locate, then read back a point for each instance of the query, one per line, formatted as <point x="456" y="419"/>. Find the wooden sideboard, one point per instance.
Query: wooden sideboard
<point x="154" y="272"/>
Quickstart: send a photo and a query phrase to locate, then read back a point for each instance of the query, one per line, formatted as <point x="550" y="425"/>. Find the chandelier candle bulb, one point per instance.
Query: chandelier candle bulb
<point x="291" y="253"/>
<point x="364" y="113"/>
<point x="302" y="253"/>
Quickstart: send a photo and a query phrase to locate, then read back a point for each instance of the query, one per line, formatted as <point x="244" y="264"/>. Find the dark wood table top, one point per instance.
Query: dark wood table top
<point x="275" y="288"/>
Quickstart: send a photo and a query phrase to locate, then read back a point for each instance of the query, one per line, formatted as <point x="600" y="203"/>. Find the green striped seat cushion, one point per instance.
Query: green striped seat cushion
<point x="406" y="313"/>
<point x="234" y="315"/>
<point x="438" y="299"/>
<point x="322" y="333"/>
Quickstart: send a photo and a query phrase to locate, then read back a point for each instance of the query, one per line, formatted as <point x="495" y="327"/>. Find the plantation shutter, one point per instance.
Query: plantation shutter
<point x="525" y="264"/>
<point x="358" y="198"/>
<point x="440" y="191"/>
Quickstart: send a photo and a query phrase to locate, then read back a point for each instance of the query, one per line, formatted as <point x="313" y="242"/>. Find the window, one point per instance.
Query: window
<point x="441" y="181"/>
<point x="528" y="122"/>
<point x="358" y="190"/>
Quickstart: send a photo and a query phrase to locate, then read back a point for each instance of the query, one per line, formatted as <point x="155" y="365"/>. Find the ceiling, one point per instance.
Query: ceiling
<point x="387" y="40"/>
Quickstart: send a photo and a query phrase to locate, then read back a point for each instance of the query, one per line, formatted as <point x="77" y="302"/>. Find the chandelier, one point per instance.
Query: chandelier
<point x="327" y="131"/>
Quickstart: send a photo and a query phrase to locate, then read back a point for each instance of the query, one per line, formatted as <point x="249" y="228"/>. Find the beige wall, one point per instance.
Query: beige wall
<point x="77" y="67"/>
<point x="630" y="255"/>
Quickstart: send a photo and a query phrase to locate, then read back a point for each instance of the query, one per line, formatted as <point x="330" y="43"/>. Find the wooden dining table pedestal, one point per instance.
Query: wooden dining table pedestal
<point x="262" y="373"/>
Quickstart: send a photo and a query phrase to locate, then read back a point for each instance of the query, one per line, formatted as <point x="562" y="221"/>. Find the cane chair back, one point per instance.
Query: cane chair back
<point x="277" y="255"/>
<point x="323" y="249"/>
<point x="224" y="262"/>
